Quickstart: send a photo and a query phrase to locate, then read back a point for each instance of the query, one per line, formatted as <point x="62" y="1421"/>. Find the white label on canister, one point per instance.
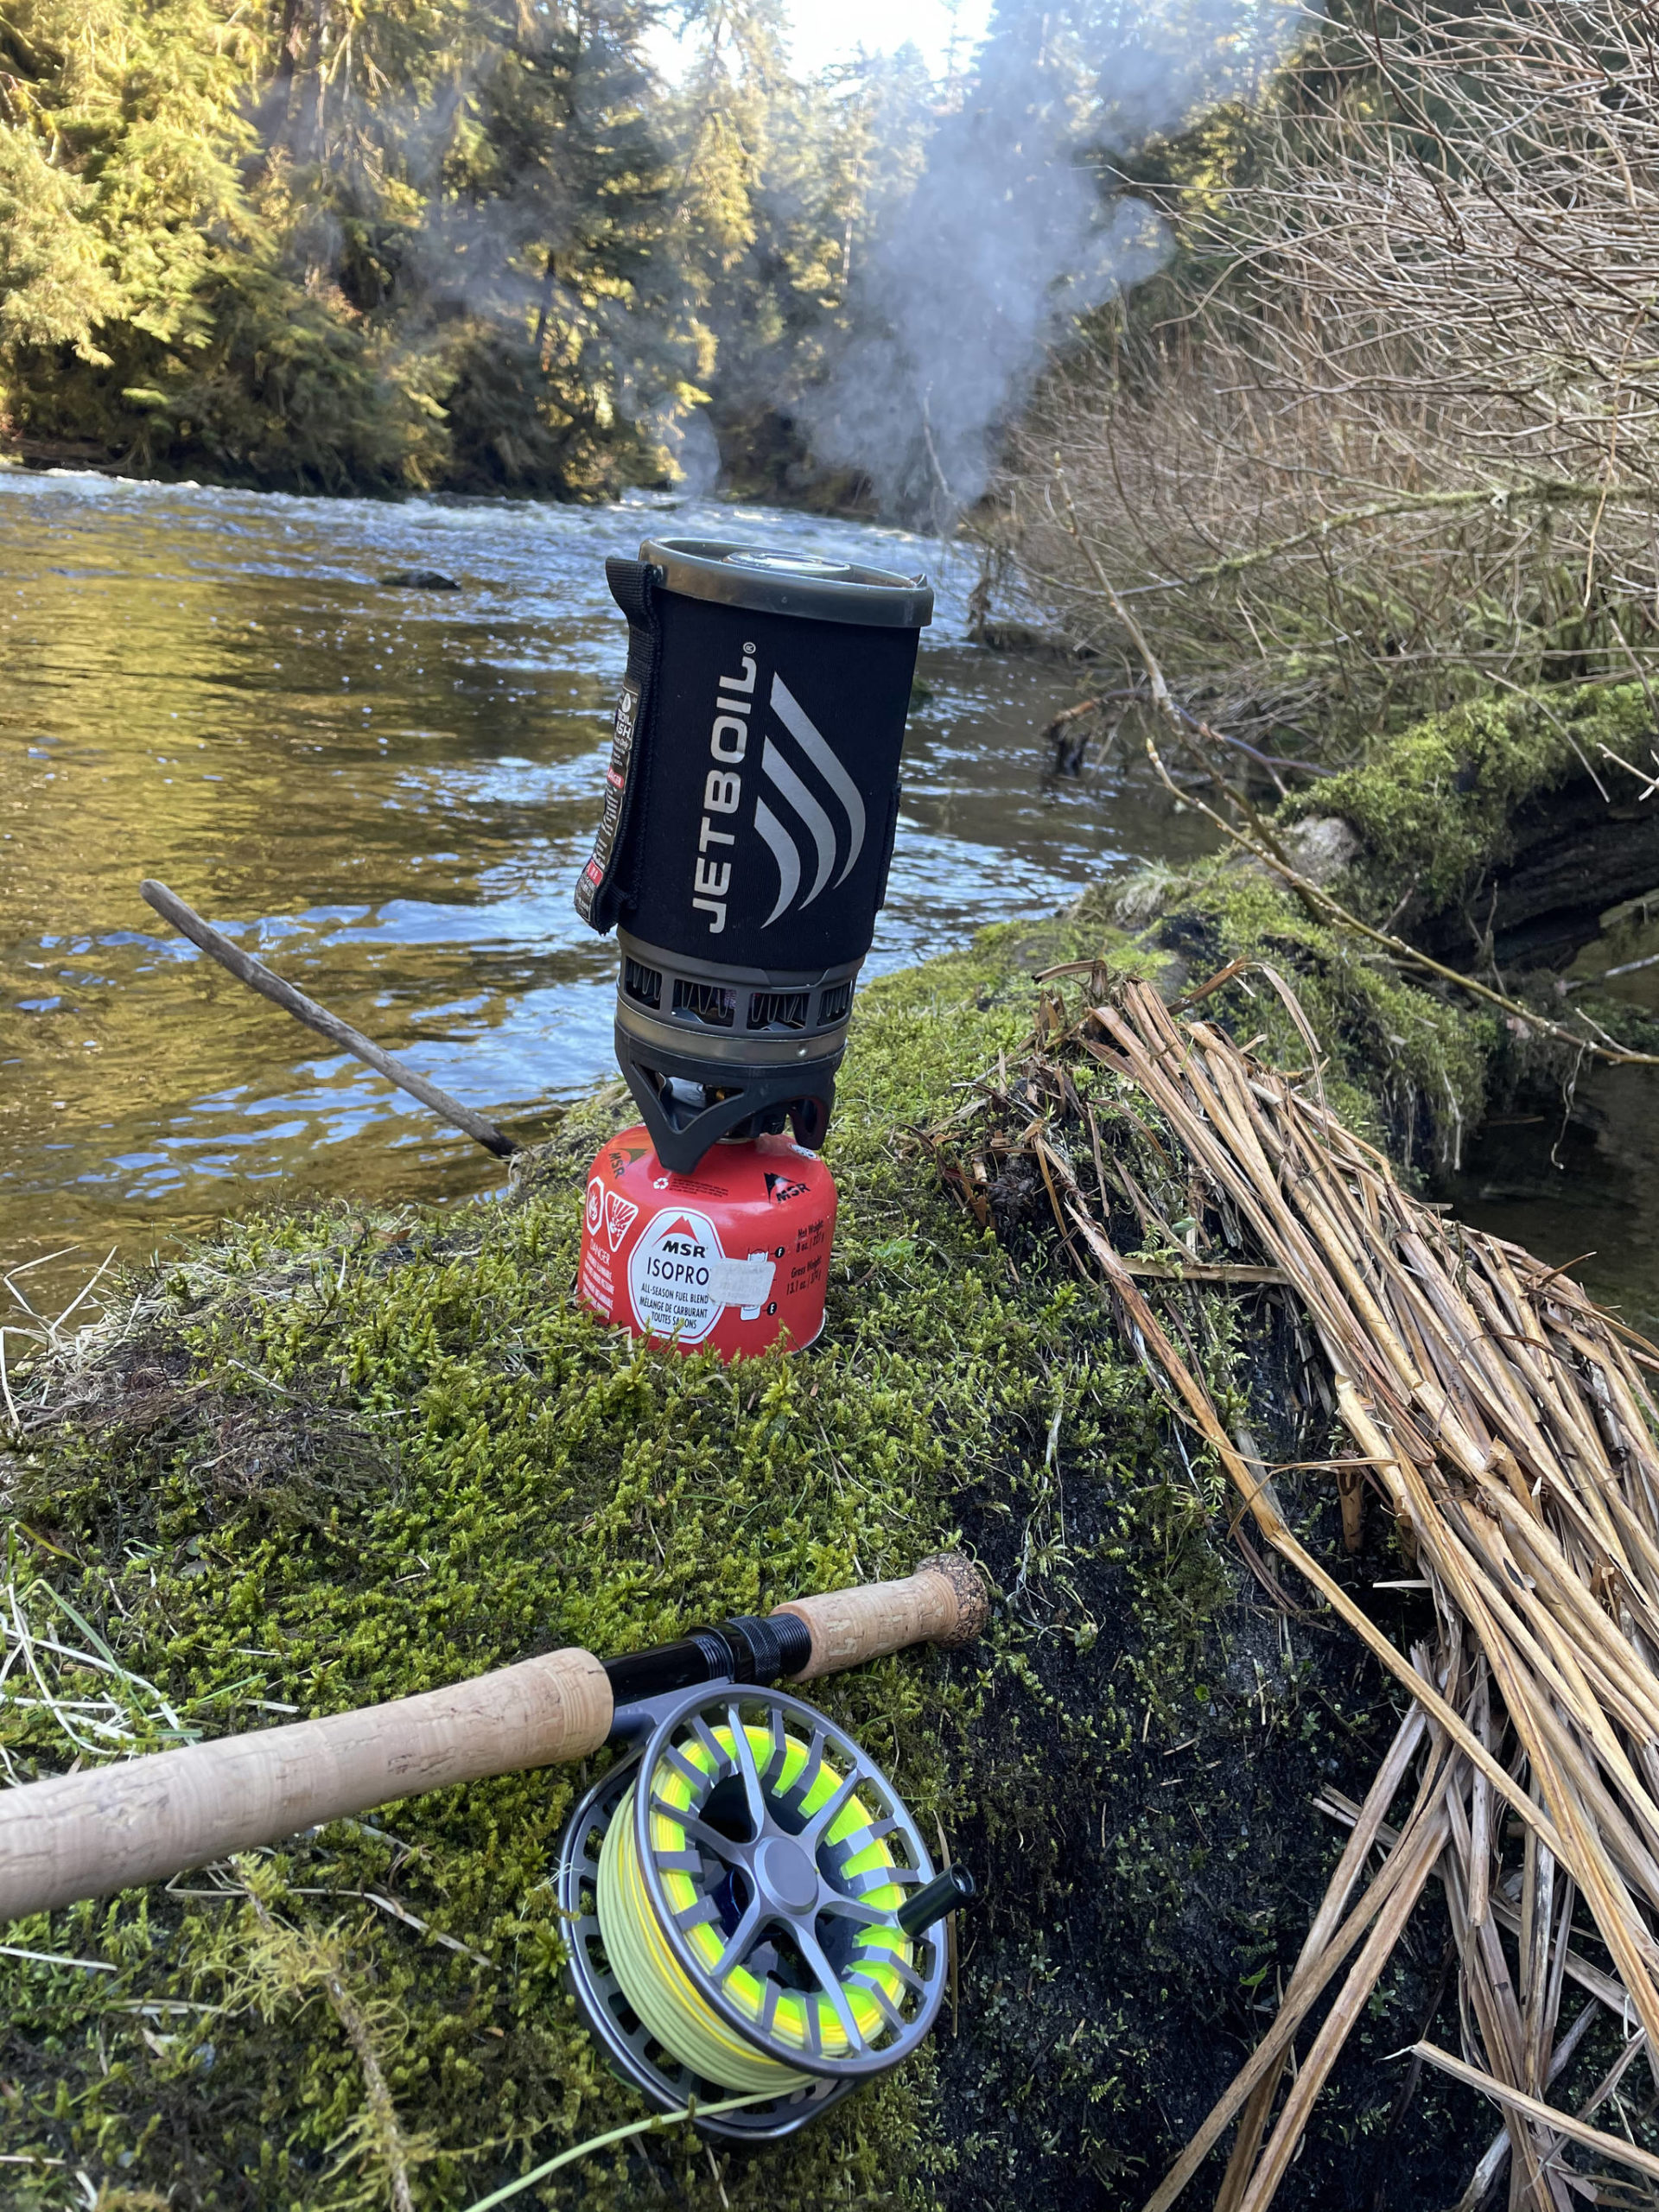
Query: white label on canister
<point x="679" y="1278"/>
<point x="744" y="1282"/>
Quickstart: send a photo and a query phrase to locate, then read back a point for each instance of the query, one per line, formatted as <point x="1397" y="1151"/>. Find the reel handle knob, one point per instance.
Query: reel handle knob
<point x="946" y="1602"/>
<point x="942" y="1895"/>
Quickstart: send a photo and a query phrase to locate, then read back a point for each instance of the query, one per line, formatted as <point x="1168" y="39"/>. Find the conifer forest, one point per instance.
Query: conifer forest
<point x="489" y="246"/>
<point x="437" y="244"/>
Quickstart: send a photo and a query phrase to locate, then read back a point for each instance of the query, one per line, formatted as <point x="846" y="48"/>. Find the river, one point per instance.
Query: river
<point x="387" y="793"/>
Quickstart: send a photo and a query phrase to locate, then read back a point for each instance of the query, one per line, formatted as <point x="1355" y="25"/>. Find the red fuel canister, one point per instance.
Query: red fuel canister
<point x="735" y="1256"/>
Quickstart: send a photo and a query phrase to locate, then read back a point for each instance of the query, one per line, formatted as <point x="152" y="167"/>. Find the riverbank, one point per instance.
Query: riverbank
<point x="386" y="794"/>
<point x="337" y="1458"/>
<point x="332" y="1458"/>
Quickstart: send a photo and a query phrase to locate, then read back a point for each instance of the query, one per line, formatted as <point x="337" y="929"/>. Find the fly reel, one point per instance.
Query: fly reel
<point x="749" y="1906"/>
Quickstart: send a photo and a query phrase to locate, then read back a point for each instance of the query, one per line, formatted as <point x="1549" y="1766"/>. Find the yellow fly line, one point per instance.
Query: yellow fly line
<point x="663" y="1994"/>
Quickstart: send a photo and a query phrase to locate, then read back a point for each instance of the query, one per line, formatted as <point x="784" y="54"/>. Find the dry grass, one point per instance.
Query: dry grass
<point x="1512" y="1429"/>
<point x="1393" y="433"/>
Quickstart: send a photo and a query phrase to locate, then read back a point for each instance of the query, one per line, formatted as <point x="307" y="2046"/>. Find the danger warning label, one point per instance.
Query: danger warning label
<point x="620" y="1214"/>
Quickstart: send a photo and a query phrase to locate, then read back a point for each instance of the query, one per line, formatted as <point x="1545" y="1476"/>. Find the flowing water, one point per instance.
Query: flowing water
<point x="1580" y="1181"/>
<point x="386" y="793"/>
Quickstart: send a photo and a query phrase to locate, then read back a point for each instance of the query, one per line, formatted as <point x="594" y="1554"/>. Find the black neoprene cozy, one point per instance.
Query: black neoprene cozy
<point x="749" y="817"/>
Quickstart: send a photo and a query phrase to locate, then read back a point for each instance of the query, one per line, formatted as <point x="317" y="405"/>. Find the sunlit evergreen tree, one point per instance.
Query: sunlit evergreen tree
<point x="485" y="245"/>
<point x="472" y="243"/>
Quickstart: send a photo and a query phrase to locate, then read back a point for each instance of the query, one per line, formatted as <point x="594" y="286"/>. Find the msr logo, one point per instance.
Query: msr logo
<point x="780" y="1190"/>
<point x="786" y="781"/>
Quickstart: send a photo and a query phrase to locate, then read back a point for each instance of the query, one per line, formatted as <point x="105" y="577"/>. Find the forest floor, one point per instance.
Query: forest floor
<point x="339" y="1456"/>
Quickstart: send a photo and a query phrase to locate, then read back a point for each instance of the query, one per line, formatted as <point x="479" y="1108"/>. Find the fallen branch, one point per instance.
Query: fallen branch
<point x="1264" y="847"/>
<point x="258" y="978"/>
<point x="1332" y="910"/>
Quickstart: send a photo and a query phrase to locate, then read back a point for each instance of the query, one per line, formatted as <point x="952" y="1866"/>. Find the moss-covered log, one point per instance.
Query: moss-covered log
<point x="332" y="1458"/>
<point x="1504" y="830"/>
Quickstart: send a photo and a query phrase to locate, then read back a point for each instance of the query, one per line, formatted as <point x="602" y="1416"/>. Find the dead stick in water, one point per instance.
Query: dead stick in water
<point x="258" y="978"/>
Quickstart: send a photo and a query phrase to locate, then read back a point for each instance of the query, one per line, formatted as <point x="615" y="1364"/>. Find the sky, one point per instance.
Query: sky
<point x="834" y="30"/>
<point x="823" y="31"/>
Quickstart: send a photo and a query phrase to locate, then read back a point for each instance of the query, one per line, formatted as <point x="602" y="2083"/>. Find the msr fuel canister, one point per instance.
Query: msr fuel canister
<point x="735" y="1256"/>
<point x="750" y="809"/>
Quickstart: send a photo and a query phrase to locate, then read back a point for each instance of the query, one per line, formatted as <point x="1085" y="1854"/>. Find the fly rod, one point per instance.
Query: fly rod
<point x="752" y="1919"/>
<point x="146" y="1819"/>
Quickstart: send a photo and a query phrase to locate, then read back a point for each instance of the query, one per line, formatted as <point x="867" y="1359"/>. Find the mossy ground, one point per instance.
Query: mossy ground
<point x="1434" y="804"/>
<point x="1409" y="1068"/>
<point x="338" y="1458"/>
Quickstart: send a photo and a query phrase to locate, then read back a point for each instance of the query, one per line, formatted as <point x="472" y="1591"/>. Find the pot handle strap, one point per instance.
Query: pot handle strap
<point x="605" y="887"/>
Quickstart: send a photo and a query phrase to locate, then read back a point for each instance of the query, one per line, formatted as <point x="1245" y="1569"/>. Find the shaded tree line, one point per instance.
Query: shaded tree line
<point x="462" y="244"/>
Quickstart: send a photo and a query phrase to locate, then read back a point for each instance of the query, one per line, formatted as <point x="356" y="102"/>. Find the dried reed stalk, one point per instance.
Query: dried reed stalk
<point x="1512" y="1427"/>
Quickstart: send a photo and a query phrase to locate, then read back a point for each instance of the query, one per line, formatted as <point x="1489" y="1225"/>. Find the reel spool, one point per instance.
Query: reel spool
<point x="736" y="1896"/>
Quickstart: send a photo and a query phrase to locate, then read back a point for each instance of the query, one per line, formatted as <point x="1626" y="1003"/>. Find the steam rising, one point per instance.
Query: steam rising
<point x="1013" y="231"/>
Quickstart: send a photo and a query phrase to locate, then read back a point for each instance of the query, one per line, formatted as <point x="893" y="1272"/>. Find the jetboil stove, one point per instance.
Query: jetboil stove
<point x="750" y="809"/>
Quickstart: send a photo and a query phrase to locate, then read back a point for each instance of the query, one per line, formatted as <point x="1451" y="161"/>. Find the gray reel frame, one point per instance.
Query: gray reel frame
<point x="793" y="1879"/>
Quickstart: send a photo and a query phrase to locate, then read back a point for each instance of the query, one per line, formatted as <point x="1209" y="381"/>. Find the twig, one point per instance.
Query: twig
<point x="1485" y="495"/>
<point x="1162" y="697"/>
<point x="258" y="977"/>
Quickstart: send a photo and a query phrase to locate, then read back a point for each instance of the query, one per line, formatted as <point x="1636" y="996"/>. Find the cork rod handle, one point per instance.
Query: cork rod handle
<point x="86" y="1836"/>
<point x="945" y="1602"/>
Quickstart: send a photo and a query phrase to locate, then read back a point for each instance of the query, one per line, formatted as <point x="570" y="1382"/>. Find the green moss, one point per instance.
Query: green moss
<point x="1435" y="806"/>
<point x="335" y="1458"/>
<point x="346" y="1457"/>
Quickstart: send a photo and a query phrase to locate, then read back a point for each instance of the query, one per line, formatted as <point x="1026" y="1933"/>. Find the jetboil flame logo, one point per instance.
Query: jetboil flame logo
<point x="816" y="842"/>
<point x="775" y="767"/>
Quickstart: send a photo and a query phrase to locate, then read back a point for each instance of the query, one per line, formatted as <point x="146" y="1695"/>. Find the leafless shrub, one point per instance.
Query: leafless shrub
<point x="1395" y="437"/>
